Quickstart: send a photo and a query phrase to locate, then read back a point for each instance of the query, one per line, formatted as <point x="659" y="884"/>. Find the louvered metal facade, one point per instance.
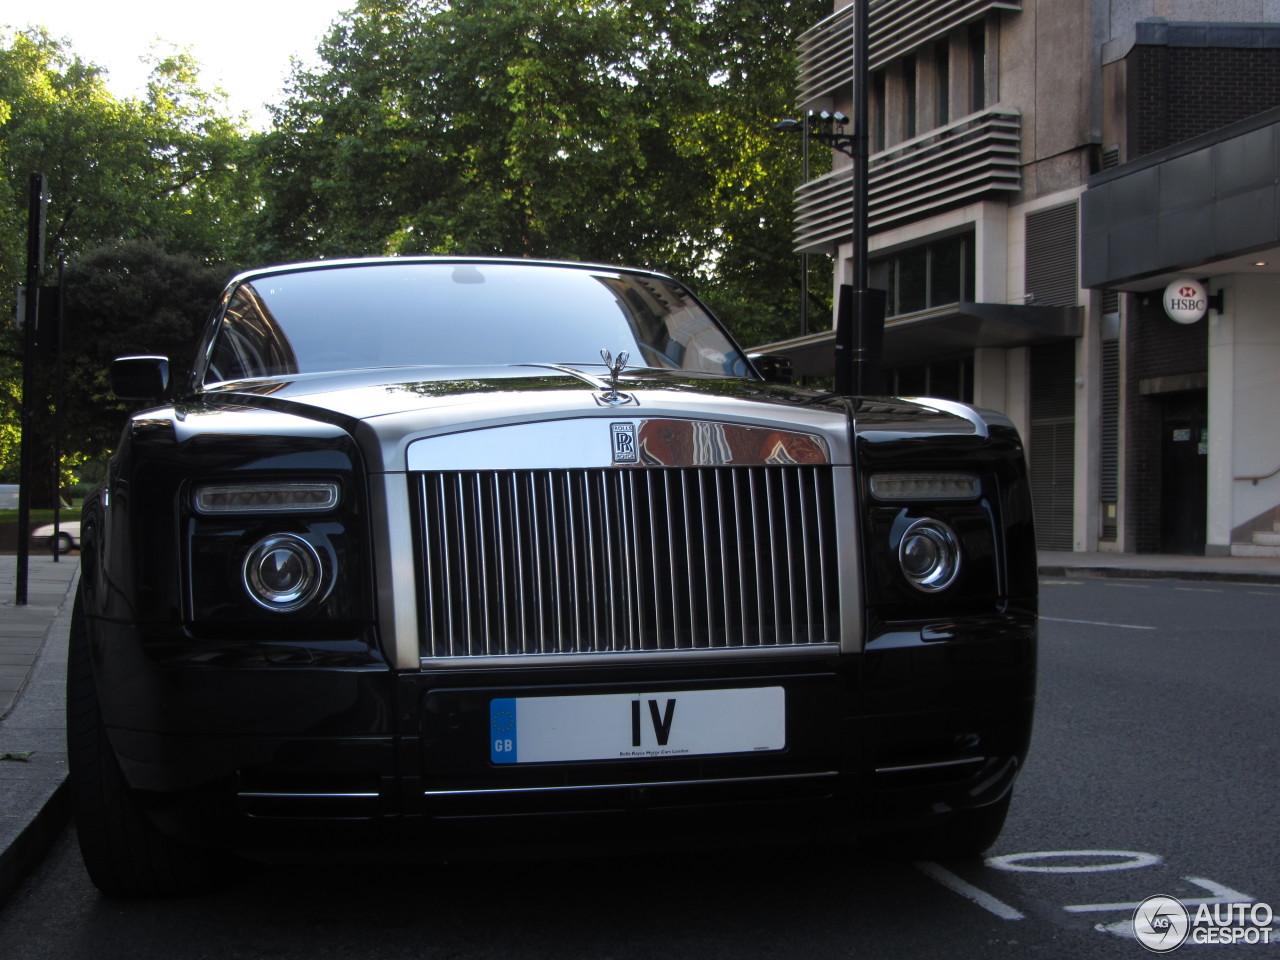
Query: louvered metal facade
<point x="1052" y="442"/>
<point x="1109" y="447"/>
<point x="532" y="563"/>
<point x="1052" y="256"/>
<point x="974" y="157"/>
<point x="896" y="27"/>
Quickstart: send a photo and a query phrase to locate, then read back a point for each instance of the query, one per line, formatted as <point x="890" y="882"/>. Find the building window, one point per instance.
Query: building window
<point x="928" y="276"/>
<point x="944" y="379"/>
<point x="942" y="81"/>
<point x="878" y="103"/>
<point x="977" y="66"/>
<point x="909" y="125"/>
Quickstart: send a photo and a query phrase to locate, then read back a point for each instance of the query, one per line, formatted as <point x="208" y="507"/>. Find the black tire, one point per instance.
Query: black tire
<point x="963" y="835"/>
<point x="124" y="853"/>
<point x="64" y="543"/>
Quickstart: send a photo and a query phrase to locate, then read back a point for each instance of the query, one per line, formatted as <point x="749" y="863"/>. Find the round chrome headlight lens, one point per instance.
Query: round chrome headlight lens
<point x="929" y="555"/>
<point x="282" y="573"/>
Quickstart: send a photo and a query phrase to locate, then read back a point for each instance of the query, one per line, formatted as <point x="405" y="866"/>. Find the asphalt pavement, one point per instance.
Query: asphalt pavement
<point x="34" y="802"/>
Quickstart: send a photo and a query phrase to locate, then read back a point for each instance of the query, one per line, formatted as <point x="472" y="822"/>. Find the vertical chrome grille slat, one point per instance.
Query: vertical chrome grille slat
<point x="790" y="559"/>
<point x="828" y="615"/>
<point x="601" y="561"/>
<point x="725" y="554"/>
<point x="689" y="564"/>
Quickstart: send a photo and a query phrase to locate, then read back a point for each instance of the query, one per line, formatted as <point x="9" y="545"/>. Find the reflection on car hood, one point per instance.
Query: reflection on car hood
<point x="364" y="394"/>
<point x="389" y="408"/>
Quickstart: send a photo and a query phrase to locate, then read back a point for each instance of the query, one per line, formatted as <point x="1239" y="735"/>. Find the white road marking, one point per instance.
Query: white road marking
<point x="1099" y="623"/>
<point x="967" y="890"/>
<point x="1115" y="860"/>
<point x="1220" y="893"/>
<point x="1198" y="589"/>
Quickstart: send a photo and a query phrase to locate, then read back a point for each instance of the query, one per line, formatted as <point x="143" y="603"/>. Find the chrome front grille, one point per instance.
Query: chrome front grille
<point x="624" y="561"/>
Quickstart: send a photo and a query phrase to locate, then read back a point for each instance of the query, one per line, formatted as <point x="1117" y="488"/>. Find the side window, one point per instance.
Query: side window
<point x="249" y="343"/>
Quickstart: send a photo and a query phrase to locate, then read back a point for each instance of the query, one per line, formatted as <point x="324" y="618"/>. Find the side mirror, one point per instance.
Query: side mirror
<point x="774" y="367"/>
<point x="140" y="378"/>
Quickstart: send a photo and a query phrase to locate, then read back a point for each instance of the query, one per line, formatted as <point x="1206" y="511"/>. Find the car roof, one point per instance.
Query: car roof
<point x="384" y="261"/>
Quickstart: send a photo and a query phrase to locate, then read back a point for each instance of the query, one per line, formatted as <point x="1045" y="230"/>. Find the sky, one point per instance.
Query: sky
<point x="243" y="46"/>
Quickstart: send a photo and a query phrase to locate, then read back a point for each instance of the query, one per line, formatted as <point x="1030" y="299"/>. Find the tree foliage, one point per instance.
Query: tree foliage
<point x="170" y="168"/>
<point x="637" y="132"/>
<point x="623" y="131"/>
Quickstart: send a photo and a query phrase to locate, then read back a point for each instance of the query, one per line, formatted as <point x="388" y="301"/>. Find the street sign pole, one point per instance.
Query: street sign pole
<point x="31" y="315"/>
<point x="859" y="330"/>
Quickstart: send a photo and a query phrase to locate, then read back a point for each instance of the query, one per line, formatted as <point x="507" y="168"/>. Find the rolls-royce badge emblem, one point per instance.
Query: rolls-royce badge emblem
<point x="624" y="443"/>
<point x="615" y="367"/>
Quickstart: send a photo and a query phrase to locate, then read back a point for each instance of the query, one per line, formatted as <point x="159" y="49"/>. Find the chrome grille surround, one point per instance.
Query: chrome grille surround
<point x="519" y="565"/>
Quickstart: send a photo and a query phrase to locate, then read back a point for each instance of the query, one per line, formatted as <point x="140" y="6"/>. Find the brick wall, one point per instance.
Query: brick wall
<point x="1176" y="93"/>
<point x="1158" y="347"/>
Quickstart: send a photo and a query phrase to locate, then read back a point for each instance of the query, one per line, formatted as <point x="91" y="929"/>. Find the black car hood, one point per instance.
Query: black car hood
<point x="387" y="409"/>
<point x="388" y="391"/>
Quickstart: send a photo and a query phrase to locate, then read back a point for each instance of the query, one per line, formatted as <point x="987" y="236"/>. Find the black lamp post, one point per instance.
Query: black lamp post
<point x="860" y="311"/>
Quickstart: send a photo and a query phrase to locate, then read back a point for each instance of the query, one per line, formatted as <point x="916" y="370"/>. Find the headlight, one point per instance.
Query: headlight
<point x="929" y="554"/>
<point x="282" y="573"/>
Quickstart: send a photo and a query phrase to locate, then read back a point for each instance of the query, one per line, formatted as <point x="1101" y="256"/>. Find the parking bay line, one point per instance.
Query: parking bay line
<point x="967" y="890"/>
<point x="1098" y="623"/>
<point x="1219" y="894"/>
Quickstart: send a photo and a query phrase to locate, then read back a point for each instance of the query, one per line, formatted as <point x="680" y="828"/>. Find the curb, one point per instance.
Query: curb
<point x="24" y="854"/>
<point x="36" y="719"/>
<point x="1131" y="573"/>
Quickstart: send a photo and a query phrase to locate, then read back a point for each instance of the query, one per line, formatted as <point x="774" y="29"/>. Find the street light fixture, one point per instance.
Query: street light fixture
<point x="860" y="312"/>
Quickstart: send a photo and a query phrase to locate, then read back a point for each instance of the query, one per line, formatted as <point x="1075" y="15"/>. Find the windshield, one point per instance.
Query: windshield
<point x="458" y="313"/>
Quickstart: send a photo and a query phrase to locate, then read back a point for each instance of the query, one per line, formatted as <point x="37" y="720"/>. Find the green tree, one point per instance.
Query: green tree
<point x="633" y="132"/>
<point x="129" y="297"/>
<point x="170" y="167"/>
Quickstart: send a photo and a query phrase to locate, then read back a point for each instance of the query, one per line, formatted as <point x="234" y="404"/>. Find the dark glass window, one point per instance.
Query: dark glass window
<point x="909" y="97"/>
<point x="942" y="81"/>
<point x="927" y="276"/>
<point x="453" y="313"/>
<point x="913" y="381"/>
<point x="877" y="111"/>
<point x="944" y="379"/>
<point x="946" y="271"/>
<point x="913" y="280"/>
<point x="977" y="67"/>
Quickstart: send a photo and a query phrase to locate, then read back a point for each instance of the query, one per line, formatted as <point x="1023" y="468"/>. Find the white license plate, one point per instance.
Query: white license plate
<point x="623" y="726"/>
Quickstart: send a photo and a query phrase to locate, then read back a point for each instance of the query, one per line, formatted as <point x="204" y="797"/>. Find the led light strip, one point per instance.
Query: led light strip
<point x="266" y="498"/>
<point x="924" y="486"/>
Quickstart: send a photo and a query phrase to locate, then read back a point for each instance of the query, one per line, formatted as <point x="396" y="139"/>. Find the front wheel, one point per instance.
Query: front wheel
<point x="124" y="853"/>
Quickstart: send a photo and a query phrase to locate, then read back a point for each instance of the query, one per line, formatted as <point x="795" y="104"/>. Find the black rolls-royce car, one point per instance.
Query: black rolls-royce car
<point x="442" y="556"/>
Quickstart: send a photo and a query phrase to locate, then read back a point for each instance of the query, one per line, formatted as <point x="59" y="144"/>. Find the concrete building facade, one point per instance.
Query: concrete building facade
<point x="1040" y="171"/>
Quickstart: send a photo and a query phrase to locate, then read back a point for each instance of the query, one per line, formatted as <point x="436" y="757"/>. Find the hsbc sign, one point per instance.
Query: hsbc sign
<point x="1185" y="301"/>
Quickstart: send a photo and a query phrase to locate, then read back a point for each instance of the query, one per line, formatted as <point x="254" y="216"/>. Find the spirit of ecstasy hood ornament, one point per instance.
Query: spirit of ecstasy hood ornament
<point x="615" y="367"/>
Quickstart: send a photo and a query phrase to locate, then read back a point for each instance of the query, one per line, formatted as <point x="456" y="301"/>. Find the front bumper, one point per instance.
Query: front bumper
<point x="263" y="749"/>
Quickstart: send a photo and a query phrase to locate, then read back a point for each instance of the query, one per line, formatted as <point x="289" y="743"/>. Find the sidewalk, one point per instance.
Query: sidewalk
<point x="33" y="659"/>
<point x="33" y="667"/>
<point x="1152" y="566"/>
